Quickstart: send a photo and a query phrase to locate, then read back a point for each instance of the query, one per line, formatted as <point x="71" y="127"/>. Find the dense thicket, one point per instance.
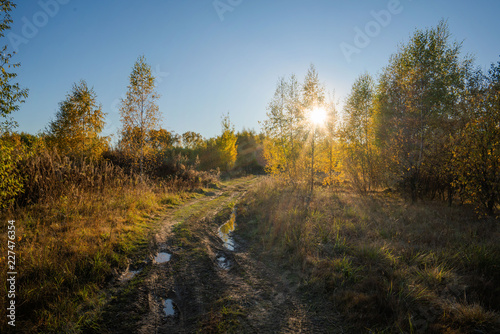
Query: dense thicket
<point x="436" y="122"/>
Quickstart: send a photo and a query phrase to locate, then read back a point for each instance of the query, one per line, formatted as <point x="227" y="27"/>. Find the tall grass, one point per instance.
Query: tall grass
<point x="387" y="265"/>
<point x="77" y="223"/>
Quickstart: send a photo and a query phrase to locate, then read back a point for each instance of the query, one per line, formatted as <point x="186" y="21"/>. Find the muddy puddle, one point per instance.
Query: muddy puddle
<point x="223" y="262"/>
<point x="128" y="275"/>
<point x="162" y="257"/>
<point x="225" y="231"/>
<point x="169" y="308"/>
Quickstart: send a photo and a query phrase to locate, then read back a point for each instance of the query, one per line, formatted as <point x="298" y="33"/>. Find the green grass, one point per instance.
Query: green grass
<point x="386" y="265"/>
<point x="223" y="317"/>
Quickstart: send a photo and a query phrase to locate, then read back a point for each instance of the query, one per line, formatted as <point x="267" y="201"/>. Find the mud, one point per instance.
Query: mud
<point x="205" y="286"/>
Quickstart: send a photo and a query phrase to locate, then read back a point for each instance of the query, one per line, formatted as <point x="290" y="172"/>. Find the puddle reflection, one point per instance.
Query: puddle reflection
<point x="128" y="275"/>
<point x="169" y="308"/>
<point x="162" y="257"/>
<point x="226" y="229"/>
<point x="223" y="262"/>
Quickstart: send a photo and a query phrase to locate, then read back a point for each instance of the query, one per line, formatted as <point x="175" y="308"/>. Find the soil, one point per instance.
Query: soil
<point x="207" y="288"/>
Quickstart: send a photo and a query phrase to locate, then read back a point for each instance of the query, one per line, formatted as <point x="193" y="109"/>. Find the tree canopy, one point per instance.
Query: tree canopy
<point x="139" y="113"/>
<point x="78" y="123"/>
<point x="11" y="94"/>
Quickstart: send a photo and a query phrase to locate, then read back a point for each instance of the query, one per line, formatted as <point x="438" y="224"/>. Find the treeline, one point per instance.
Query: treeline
<point x="289" y="132"/>
<point x="428" y="126"/>
<point x="72" y="149"/>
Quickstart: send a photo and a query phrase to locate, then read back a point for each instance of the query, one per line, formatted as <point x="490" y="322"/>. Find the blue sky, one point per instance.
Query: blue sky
<point x="210" y="61"/>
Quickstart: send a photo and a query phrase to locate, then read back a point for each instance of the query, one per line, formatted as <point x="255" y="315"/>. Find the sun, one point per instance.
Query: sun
<point x="317" y="116"/>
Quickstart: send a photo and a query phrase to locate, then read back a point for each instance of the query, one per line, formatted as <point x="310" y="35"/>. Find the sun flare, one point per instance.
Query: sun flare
<point x="317" y="116"/>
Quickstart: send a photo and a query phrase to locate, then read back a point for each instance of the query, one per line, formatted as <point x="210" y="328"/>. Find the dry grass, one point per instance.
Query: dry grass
<point x="388" y="266"/>
<point x="77" y="223"/>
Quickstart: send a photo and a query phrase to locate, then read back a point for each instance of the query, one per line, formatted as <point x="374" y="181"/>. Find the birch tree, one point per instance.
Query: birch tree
<point x="313" y="97"/>
<point x="282" y="128"/>
<point x="276" y="129"/>
<point x="330" y="158"/>
<point x="313" y="93"/>
<point x="78" y="123"/>
<point x="357" y="133"/>
<point x="139" y="113"/>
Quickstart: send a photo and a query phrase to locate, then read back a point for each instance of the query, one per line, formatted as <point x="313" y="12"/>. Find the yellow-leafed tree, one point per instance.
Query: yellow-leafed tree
<point x="78" y="124"/>
<point x="357" y="135"/>
<point x="139" y="114"/>
<point x="226" y="144"/>
<point x="476" y="153"/>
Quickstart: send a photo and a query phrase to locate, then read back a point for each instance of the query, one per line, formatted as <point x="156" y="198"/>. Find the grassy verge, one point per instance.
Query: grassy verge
<point x="387" y="266"/>
<point x="67" y="248"/>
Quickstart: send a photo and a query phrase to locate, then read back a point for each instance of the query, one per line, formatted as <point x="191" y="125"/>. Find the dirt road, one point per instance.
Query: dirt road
<point x="197" y="281"/>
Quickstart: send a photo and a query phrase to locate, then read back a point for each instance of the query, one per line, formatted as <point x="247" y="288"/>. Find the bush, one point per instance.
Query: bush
<point x="11" y="180"/>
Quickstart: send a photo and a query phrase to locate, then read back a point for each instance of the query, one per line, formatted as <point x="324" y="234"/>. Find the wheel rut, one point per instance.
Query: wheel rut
<point x="200" y="279"/>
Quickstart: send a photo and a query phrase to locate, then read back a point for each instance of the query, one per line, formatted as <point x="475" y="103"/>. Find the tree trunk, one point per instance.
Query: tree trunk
<point x="312" y="161"/>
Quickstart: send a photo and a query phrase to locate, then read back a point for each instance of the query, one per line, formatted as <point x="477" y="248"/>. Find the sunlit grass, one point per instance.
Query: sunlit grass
<point x="388" y="266"/>
<point x="70" y="246"/>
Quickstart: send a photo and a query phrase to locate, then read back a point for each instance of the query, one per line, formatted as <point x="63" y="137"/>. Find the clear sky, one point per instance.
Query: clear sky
<point x="213" y="57"/>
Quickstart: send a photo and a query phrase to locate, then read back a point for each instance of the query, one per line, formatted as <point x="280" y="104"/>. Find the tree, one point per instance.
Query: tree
<point x="416" y="102"/>
<point x="295" y="117"/>
<point x="313" y="98"/>
<point x="192" y="140"/>
<point x="476" y="153"/>
<point x="276" y="127"/>
<point x="220" y="152"/>
<point x="10" y="93"/>
<point x="329" y="161"/>
<point x="78" y="123"/>
<point x="249" y="152"/>
<point x="282" y="128"/>
<point x="139" y="113"/>
<point x="357" y="133"/>
<point x="161" y="139"/>
<point x="226" y="144"/>
<point x="285" y="126"/>
<point x="11" y="180"/>
<point x="313" y="93"/>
